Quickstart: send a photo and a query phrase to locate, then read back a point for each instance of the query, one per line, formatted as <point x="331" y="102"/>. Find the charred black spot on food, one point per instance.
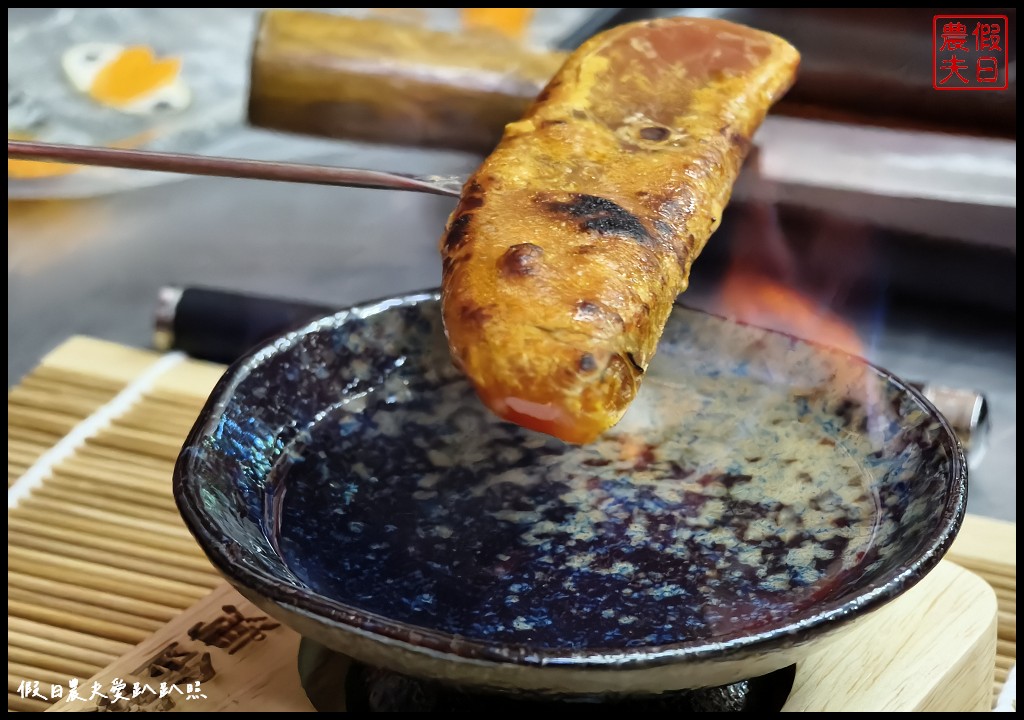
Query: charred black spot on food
<point x="586" y="308"/>
<point x="458" y="233"/>
<point x="579" y="115"/>
<point x="520" y="260"/>
<point x="663" y="229"/>
<point x="586" y="249"/>
<point x="601" y="215"/>
<point x="587" y="363"/>
<point x="451" y="263"/>
<point x="634" y="363"/>
<point x="642" y="194"/>
<point x="473" y="197"/>
<point x="655" y="133"/>
<point x="470" y="312"/>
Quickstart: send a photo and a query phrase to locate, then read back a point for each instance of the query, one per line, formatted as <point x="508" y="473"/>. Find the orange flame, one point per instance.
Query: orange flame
<point x="763" y="281"/>
<point x="757" y="299"/>
<point x="772" y="283"/>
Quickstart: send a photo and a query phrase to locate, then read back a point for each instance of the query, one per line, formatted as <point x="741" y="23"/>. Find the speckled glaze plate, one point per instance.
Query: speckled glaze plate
<point x="760" y="493"/>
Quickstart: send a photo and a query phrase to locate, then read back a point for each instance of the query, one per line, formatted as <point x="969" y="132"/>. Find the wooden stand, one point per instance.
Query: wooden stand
<point x="931" y="649"/>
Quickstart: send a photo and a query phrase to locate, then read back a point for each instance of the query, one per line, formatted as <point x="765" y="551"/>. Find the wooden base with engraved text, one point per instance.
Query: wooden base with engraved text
<point x="931" y="649"/>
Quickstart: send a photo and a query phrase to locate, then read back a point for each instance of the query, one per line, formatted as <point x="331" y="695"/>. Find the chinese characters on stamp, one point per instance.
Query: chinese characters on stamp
<point x="970" y="52"/>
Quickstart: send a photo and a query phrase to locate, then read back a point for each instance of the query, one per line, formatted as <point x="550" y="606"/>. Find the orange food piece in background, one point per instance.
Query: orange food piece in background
<point x="33" y="169"/>
<point x="135" y="73"/>
<point x="511" y="22"/>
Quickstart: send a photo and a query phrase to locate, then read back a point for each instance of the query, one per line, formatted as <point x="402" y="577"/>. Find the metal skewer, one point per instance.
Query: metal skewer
<point x="233" y="167"/>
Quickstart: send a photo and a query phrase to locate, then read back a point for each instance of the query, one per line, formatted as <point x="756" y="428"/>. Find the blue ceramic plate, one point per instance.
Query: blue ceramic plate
<point x="760" y="493"/>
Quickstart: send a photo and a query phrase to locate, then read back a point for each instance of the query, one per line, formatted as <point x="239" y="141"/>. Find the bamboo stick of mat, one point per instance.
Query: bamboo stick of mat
<point x="97" y="555"/>
<point x="112" y="601"/>
<point x="56" y="650"/>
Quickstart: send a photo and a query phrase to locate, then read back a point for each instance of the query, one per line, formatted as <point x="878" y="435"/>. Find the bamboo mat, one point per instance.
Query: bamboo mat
<point x="97" y="555"/>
